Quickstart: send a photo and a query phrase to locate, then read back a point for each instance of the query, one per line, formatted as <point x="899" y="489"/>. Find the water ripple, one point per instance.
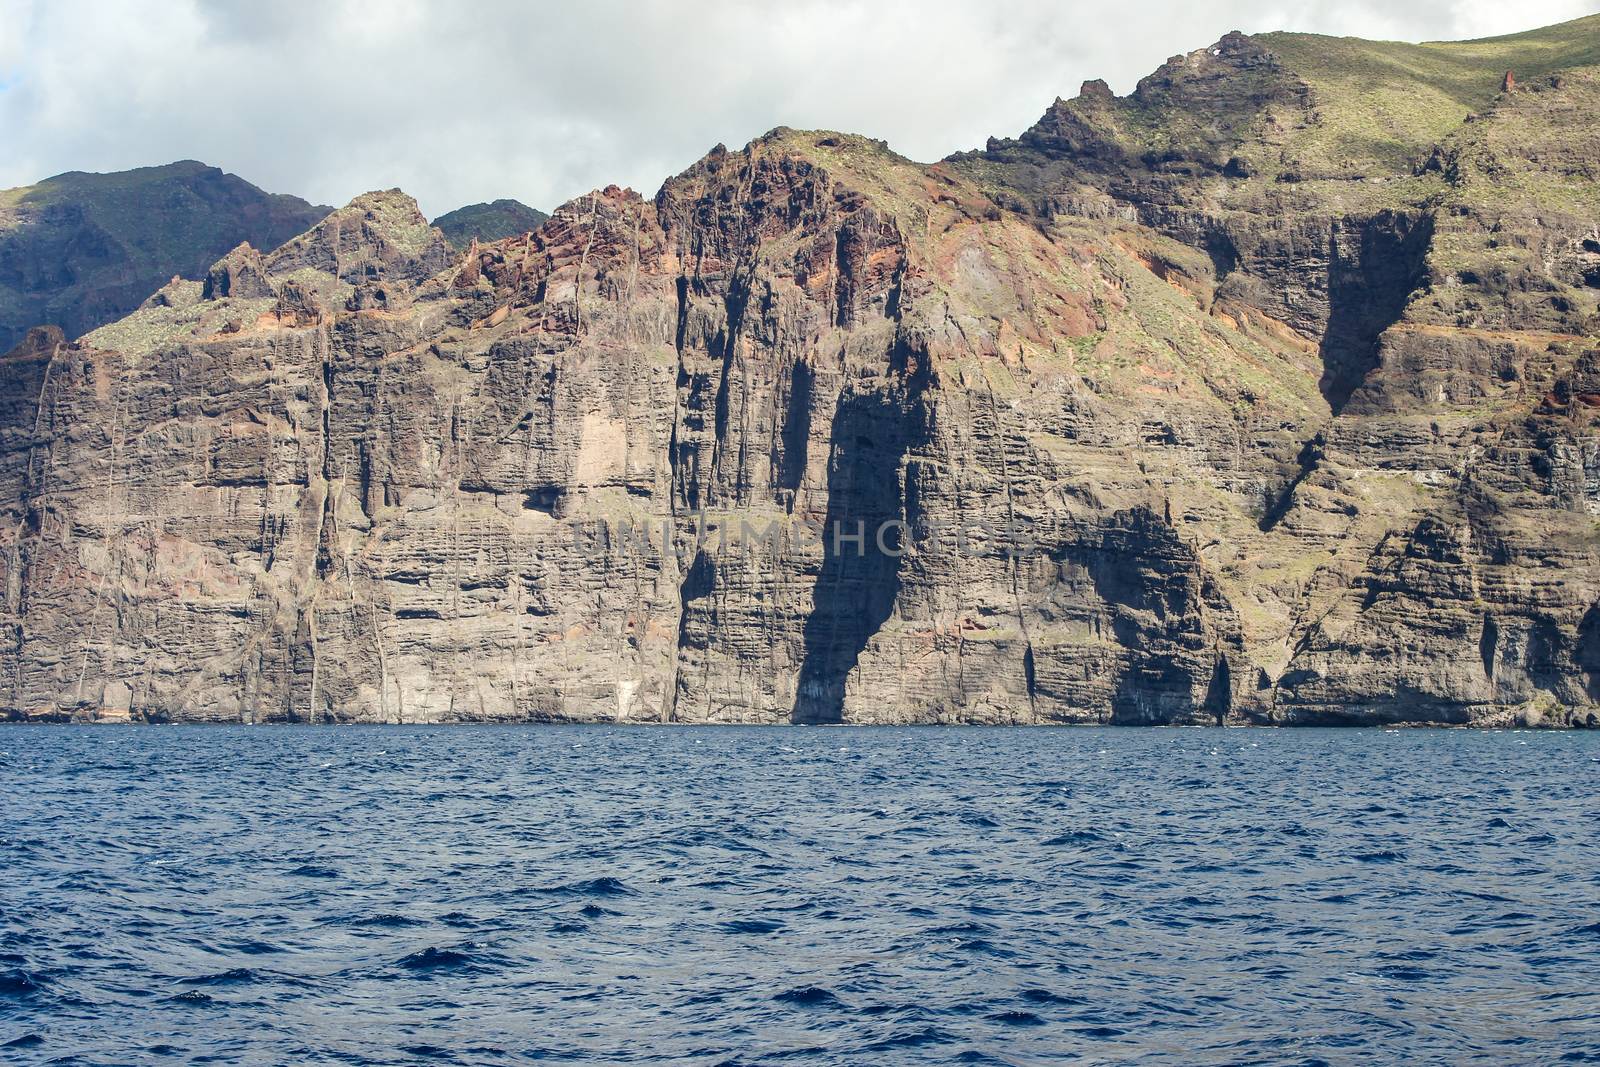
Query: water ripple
<point x="751" y="896"/>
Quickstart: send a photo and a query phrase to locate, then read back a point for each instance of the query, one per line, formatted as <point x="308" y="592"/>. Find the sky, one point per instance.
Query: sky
<point x="458" y="102"/>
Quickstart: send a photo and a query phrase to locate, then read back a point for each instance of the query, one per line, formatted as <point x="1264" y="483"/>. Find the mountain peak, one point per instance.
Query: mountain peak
<point x="491" y="221"/>
<point x="378" y="233"/>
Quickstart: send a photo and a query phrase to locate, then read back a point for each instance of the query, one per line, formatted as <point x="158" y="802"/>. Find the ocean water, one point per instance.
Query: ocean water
<point x="486" y="895"/>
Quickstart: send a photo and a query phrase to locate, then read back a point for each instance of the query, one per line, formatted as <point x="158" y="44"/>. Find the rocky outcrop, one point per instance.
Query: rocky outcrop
<point x="1119" y="422"/>
<point x="238" y="274"/>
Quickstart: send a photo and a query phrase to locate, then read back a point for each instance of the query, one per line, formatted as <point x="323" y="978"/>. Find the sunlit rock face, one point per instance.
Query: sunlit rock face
<point x="1188" y="407"/>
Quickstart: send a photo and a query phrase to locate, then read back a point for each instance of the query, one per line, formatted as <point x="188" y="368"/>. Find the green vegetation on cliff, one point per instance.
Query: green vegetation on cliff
<point x="1380" y="102"/>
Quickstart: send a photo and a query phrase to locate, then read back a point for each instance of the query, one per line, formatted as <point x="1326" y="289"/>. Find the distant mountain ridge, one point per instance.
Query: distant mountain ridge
<point x="493" y="221"/>
<point x="79" y="250"/>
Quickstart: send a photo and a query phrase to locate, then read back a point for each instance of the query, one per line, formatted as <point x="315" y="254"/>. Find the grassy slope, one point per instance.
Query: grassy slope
<point x="1380" y="103"/>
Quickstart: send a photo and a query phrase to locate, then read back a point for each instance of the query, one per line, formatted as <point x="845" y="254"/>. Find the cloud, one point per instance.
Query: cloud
<point x="542" y="101"/>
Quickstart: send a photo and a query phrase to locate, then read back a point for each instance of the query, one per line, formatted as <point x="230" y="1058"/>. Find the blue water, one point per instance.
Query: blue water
<point x="808" y="896"/>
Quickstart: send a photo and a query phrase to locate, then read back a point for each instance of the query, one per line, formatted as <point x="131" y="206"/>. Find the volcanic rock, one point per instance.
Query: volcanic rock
<point x="1266" y="394"/>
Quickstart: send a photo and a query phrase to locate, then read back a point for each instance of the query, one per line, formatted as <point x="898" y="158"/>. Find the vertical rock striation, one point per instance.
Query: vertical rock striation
<point x="1189" y="406"/>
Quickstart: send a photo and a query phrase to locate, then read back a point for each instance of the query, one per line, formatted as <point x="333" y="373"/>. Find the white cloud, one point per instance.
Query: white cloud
<point x="543" y="101"/>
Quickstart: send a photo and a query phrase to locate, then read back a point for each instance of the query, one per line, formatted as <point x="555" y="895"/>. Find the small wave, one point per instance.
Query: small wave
<point x="605" y="886"/>
<point x="752" y="926"/>
<point x="19" y="984"/>
<point x="237" y="976"/>
<point x="1383" y="855"/>
<point x="984" y="947"/>
<point x="809" y="996"/>
<point x="312" y="870"/>
<point x="926" y="1035"/>
<point x="427" y="1052"/>
<point x="432" y="958"/>
<point x="388" y="920"/>
<point x="959" y="930"/>
<point x="466" y="957"/>
<point x="1015" y="1018"/>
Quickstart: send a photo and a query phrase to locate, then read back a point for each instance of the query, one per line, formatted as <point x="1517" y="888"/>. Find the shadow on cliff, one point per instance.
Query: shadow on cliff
<point x="1158" y="603"/>
<point x="1367" y="293"/>
<point x="858" y="582"/>
<point x="1587" y="653"/>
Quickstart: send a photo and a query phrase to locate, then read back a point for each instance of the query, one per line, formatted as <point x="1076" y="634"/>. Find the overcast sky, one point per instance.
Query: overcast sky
<point x="457" y="102"/>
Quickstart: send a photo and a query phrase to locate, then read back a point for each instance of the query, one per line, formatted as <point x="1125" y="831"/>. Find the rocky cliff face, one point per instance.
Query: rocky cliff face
<point x="80" y="250"/>
<point x="1160" y="413"/>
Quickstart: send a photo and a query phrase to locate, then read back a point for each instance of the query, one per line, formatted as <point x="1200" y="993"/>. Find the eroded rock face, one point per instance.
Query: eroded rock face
<point x="1056" y="433"/>
<point x="239" y="274"/>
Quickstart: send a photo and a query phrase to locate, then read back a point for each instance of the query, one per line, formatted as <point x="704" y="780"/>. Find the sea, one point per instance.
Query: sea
<point x="788" y="895"/>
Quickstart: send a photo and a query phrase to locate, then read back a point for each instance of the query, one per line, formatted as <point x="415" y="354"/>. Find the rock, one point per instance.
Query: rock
<point x="297" y="305"/>
<point x="38" y="342"/>
<point x="1072" y="430"/>
<point x="1097" y="90"/>
<point x="239" y="274"/>
<point x="116" y="700"/>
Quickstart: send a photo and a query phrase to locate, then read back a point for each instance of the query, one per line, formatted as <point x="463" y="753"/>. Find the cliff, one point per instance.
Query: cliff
<point x="80" y="250"/>
<point x="1266" y="394"/>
